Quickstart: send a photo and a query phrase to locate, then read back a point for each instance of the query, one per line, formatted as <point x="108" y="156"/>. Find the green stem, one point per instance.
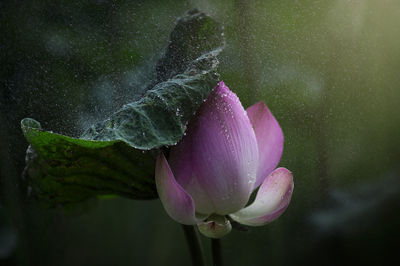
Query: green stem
<point x="216" y="252"/>
<point x="194" y="244"/>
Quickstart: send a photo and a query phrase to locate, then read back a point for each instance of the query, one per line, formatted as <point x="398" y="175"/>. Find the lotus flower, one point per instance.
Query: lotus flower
<point x="226" y="154"/>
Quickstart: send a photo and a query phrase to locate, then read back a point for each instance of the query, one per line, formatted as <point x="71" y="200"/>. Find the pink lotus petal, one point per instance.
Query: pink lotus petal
<point x="269" y="139"/>
<point x="177" y="203"/>
<point x="271" y="201"/>
<point x="216" y="162"/>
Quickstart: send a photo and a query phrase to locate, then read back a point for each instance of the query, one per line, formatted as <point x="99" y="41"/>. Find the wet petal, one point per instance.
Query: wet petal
<point x="176" y="201"/>
<point x="271" y="201"/>
<point x="269" y="139"/>
<point x="216" y="162"/>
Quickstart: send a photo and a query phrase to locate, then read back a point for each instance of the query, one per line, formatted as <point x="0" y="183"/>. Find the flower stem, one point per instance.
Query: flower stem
<point x="194" y="244"/>
<point x="216" y="252"/>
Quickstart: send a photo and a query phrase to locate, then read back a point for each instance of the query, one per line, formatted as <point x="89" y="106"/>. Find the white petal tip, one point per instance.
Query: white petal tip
<point x="271" y="201"/>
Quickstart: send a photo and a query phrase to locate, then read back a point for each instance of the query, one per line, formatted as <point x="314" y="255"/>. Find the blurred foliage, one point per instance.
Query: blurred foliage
<point x="328" y="70"/>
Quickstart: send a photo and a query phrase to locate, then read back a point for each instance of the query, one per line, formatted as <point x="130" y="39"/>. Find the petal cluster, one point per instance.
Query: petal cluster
<point x="226" y="154"/>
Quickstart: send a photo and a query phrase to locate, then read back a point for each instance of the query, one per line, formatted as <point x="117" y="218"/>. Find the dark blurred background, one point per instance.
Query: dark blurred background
<point x="328" y="70"/>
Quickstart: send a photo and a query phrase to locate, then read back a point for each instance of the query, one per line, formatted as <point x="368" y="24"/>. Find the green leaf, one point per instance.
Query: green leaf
<point x="116" y="157"/>
<point x="160" y="117"/>
<point x="194" y="34"/>
<point x="67" y="170"/>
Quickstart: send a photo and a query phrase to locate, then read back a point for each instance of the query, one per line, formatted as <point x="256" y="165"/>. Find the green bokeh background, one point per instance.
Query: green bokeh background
<point x="328" y="70"/>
